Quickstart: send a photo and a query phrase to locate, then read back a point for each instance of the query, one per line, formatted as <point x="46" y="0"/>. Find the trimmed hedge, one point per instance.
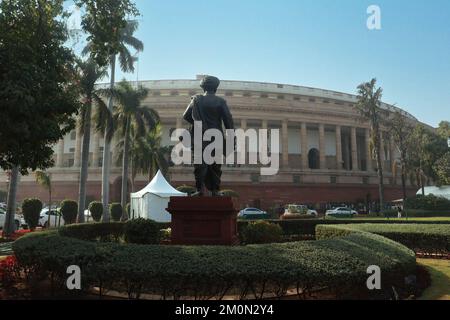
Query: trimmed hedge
<point x="69" y="211"/>
<point x="428" y="202"/>
<point x="142" y="231"/>
<point x="308" y="226"/>
<point x="116" y="211"/>
<point x="214" y="271"/>
<point x="94" y="231"/>
<point x="100" y="231"/>
<point x="31" y="209"/>
<point x="96" y="210"/>
<point x="261" y="232"/>
<point x="422" y="238"/>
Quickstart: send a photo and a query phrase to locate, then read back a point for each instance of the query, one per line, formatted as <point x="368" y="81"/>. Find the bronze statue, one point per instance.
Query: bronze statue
<point x="212" y="111"/>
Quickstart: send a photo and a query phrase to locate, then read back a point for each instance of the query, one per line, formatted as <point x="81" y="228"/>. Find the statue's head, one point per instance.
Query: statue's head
<point x="210" y="84"/>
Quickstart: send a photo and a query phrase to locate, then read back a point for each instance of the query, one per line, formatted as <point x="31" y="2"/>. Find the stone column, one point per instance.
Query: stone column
<point x="322" y="151"/>
<point x="338" y="148"/>
<point x="244" y="127"/>
<point x="179" y="123"/>
<point x="285" y="143"/>
<point x="95" y="150"/>
<point x="60" y="154"/>
<point x="368" y="151"/>
<point x="354" y="143"/>
<point x="77" y="155"/>
<point x="304" y="142"/>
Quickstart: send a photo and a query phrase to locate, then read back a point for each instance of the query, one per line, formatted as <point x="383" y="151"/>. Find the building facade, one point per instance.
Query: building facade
<point x="325" y="154"/>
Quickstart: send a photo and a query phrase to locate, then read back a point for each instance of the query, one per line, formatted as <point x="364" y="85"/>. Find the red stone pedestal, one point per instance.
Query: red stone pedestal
<point x="203" y="220"/>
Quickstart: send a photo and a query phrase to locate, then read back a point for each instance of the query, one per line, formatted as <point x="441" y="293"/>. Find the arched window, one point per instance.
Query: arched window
<point x="314" y="159"/>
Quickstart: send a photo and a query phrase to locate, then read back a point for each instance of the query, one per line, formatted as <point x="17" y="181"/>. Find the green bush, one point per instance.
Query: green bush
<point x="94" y="231"/>
<point x="249" y="271"/>
<point x="31" y="209"/>
<point x="428" y="202"/>
<point x="261" y="232"/>
<point x="166" y="234"/>
<point x="142" y="231"/>
<point x="96" y="210"/>
<point x="422" y="238"/>
<point x="69" y="211"/>
<point x="186" y="189"/>
<point x="230" y="193"/>
<point x="116" y="211"/>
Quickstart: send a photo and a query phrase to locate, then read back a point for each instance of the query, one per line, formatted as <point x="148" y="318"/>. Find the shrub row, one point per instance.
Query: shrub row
<point x="214" y="271"/>
<point x="428" y="202"/>
<point x="308" y="226"/>
<point x="111" y="230"/>
<point x="423" y="238"/>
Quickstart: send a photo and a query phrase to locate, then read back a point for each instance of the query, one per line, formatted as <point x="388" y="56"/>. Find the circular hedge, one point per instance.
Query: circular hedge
<point x="339" y="262"/>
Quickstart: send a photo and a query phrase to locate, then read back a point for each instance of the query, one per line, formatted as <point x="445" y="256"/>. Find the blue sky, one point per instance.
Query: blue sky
<point x="317" y="43"/>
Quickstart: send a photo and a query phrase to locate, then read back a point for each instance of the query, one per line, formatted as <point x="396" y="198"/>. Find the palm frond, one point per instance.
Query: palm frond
<point x="43" y="179"/>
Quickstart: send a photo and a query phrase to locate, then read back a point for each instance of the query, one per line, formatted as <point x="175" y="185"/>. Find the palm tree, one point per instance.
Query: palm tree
<point x="130" y="117"/>
<point x="147" y="154"/>
<point x="90" y="74"/>
<point x="126" y="61"/>
<point x="44" y="179"/>
<point x="368" y="105"/>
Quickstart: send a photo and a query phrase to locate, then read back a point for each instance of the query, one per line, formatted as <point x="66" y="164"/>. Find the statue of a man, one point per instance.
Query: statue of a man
<point x="212" y="111"/>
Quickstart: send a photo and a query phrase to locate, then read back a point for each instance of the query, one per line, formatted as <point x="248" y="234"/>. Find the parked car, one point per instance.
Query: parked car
<point x="253" y="213"/>
<point x="18" y="220"/>
<point x="341" y="210"/>
<point x="54" y="215"/>
<point x="292" y="209"/>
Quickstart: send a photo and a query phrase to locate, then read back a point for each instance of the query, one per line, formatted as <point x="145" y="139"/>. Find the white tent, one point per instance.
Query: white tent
<point x="151" y="202"/>
<point x="443" y="191"/>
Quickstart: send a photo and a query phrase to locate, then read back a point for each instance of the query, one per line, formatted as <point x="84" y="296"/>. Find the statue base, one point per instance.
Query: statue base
<point x="203" y="221"/>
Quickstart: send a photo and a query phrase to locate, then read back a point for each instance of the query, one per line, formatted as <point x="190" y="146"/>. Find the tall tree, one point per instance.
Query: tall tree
<point x="128" y="114"/>
<point x="369" y="107"/>
<point x="442" y="169"/>
<point x="90" y="73"/>
<point x="38" y="95"/>
<point x="110" y="36"/>
<point x="401" y="130"/>
<point x="444" y="129"/>
<point x="147" y="154"/>
<point x="429" y="147"/>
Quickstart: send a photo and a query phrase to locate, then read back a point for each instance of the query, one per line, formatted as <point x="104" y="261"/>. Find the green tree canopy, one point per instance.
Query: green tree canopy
<point x="105" y="21"/>
<point x="38" y="96"/>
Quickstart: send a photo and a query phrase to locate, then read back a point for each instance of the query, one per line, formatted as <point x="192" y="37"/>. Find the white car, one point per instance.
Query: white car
<point x="18" y="220"/>
<point x="249" y="212"/>
<point x="55" y="217"/>
<point x="341" y="210"/>
<point x="293" y="209"/>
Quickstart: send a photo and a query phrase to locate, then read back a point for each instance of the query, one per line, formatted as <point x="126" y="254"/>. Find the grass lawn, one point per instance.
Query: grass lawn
<point x="439" y="270"/>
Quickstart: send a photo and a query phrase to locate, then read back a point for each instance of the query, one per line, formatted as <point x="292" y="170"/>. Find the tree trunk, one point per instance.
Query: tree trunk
<point x="404" y="181"/>
<point x="126" y="150"/>
<point x="106" y="165"/>
<point x="84" y="163"/>
<point x="421" y="179"/>
<point x="9" y="227"/>
<point x="380" y="171"/>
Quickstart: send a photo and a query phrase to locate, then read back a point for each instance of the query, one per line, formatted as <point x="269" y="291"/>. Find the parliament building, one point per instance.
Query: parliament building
<point x="325" y="154"/>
